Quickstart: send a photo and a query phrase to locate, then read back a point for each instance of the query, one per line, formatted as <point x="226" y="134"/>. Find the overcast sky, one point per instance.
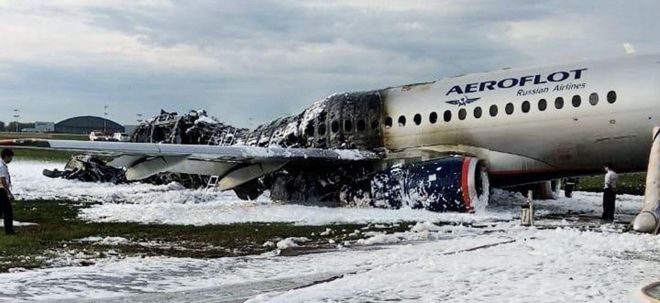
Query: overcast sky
<point x="251" y="61"/>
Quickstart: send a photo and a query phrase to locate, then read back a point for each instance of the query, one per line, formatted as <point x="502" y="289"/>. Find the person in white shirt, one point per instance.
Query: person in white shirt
<point x="609" y="193"/>
<point x="6" y="197"/>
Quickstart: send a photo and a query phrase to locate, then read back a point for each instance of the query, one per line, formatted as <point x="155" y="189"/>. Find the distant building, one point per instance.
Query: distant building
<point x="44" y="127"/>
<point x="87" y="124"/>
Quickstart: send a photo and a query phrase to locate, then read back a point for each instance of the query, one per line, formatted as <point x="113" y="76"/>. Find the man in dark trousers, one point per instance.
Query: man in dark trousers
<point x="569" y="186"/>
<point x="609" y="193"/>
<point x="6" y="197"/>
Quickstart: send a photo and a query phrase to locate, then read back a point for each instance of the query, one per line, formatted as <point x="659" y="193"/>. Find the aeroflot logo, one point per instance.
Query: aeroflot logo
<point x="539" y="79"/>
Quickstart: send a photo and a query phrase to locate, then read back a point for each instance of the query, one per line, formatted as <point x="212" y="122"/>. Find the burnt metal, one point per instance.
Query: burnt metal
<point x="340" y="121"/>
<point x="89" y="169"/>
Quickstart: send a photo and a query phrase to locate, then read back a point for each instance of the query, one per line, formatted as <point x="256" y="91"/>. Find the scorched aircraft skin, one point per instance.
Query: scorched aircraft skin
<point x="436" y="145"/>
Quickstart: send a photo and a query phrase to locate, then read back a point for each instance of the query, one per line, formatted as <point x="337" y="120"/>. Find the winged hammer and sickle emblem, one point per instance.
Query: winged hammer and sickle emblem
<point x="465" y="100"/>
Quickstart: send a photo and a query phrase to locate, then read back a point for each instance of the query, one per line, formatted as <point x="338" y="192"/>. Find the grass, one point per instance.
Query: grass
<point x="59" y="227"/>
<point x="633" y="183"/>
<point x="42" y="155"/>
<point x="35" y="154"/>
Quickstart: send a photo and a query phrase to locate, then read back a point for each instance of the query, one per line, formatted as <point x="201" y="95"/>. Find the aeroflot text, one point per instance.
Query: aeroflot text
<point x="511" y="82"/>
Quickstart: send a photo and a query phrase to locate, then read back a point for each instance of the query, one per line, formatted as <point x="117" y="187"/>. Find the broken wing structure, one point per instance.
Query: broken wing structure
<point x="234" y="165"/>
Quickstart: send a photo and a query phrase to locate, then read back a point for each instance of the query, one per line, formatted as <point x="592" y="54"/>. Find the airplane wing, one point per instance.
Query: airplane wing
<point x="234" y="165"/>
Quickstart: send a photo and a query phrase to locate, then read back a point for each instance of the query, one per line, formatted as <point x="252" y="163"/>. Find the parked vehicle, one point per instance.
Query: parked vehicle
<point x="122" y="137"/>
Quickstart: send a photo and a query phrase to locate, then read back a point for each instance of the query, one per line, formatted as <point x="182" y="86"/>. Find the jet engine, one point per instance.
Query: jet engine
<point x="454" y="183"/>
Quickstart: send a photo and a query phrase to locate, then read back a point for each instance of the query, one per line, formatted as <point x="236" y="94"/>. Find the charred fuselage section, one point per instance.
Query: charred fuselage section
<point x="340" y="121"/>
<point x="194" y="127"/>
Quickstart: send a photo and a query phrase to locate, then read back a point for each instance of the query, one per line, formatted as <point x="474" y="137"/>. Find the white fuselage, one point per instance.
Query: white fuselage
<point x="575" y="139"/>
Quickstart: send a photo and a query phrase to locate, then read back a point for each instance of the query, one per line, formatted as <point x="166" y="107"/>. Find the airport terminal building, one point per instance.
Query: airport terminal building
<point x="87" y="124"/>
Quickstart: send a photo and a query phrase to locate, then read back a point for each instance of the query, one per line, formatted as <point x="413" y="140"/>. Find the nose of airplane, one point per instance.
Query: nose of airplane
<point x="646" y="222"/>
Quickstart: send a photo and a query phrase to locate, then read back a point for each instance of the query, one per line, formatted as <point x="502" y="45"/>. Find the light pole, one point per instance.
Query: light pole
<point x="105" y="119"/>
<point x="16" y="116"/>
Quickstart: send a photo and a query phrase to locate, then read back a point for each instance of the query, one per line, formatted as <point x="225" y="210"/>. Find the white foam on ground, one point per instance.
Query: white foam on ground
<point x="173" y="204"/>
<point x="563" y="265"/>
<point x="435" y="263"/>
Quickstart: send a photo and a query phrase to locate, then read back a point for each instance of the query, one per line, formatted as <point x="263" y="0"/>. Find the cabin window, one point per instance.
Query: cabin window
<point x="447" y="116"/>
<point x="361" y="125"/>
<point x="388" y="122"/>
<point x="402" y="121"/>
<point x="509" y="109"/>
<point x="334" y="126"/>
<point x="526" y="106"/>
<point x="433" y="117"/>
<point x="417" y="119"/>
<point x="577" y="100"/>
<point x="543" y="104"/>
<point x="374" y="124"/>
<point x="321" y="129"/>
<point x="310" y="130"/>
<point x="593" y="98"/>
<point x="559" y="103"/>
<point x="477" y="112"/>
<point x="462" y="114"/>
<point x="611" y="97"/>
<point x="348" y="126"/>
<point x="493" y="110"/>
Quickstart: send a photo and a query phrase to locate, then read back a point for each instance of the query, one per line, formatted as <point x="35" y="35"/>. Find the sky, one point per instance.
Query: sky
<point x="247" y="62"/>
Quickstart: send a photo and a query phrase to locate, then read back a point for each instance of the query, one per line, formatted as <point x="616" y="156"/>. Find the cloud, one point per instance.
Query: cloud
<point x="259" y="59"/>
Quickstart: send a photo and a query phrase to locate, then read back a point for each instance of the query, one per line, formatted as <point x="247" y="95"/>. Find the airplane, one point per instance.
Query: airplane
<point x="437" y="145"/>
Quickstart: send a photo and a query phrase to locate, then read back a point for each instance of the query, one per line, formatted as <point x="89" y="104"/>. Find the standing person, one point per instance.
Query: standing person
<point x="609" y="193"/>
<point x="569" y="186"/>
<point x="6" y="197"/>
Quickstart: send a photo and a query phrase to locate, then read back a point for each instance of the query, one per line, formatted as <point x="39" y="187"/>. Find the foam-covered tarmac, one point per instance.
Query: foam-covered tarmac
<point x="569" y="257"/>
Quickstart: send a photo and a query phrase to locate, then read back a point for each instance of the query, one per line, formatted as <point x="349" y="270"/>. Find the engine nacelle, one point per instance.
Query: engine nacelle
<point x="454" y="183"/>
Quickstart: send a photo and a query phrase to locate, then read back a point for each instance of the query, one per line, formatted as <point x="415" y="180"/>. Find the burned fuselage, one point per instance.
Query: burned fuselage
<point x="340" y="121"/>
<point x="356" y="121"/>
